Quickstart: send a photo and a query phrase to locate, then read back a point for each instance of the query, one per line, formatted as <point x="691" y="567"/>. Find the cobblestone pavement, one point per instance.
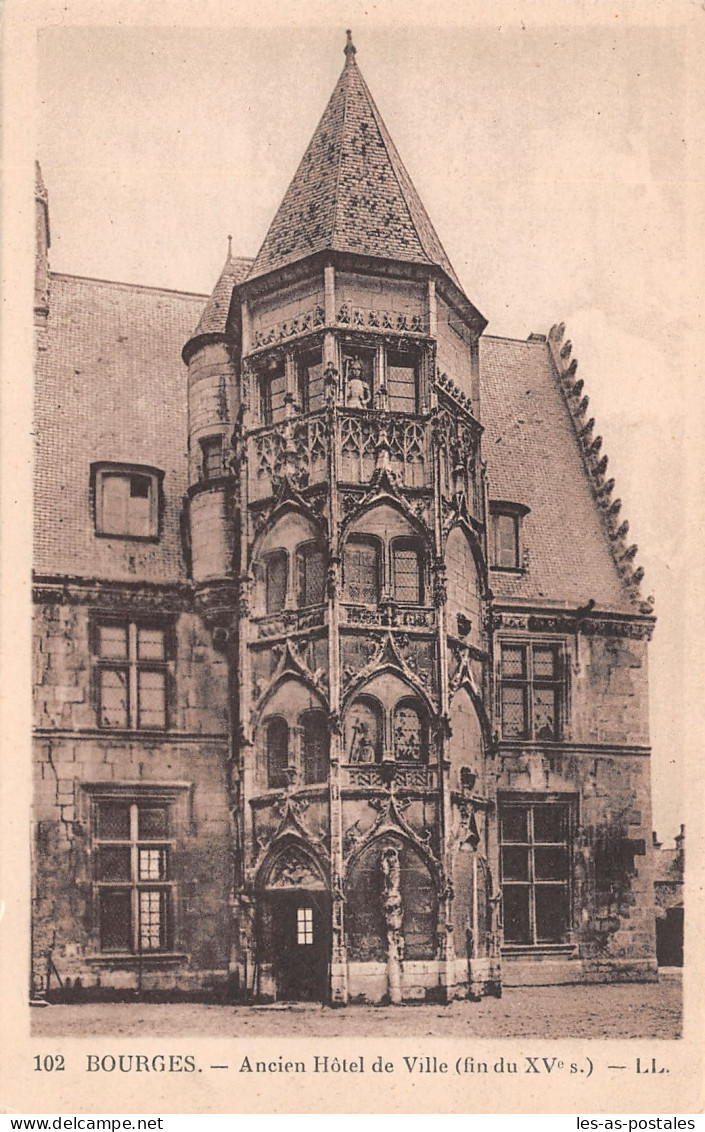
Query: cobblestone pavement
<point x="636" y="1010"/>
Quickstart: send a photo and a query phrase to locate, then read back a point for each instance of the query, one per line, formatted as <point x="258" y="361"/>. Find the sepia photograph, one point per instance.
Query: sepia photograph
<point x="359" y="610"/>
<point x="340" y="633"/>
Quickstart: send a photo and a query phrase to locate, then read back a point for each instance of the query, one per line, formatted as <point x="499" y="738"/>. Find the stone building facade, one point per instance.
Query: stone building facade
<point x="340" y="652"/>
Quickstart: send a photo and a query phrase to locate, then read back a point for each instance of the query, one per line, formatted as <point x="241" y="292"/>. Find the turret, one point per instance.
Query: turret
<point x="212" y="356"/>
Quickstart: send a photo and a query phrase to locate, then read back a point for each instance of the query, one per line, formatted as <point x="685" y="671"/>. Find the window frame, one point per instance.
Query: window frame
<point x="209" y="445"/>
<point x="132" y="666"/>
<point x="499" y="509"/>
<point x="303" y="550"/>
<point x="529" y="682"/>
<point x="403" y="350"/>
<point x="278" y="780"/>
<point x="306" y="763"/>
<point x="408" y="542"/>
<point x="414" y="702"/>
<point x="272" y="369"/>
<point x="378" y="546"/>
<point x="135" y="885"/>
<point x="282" y="555"/>
<point x="303" y="359"/>
<point x="529" y="804"/>
<point x="104" y="469"/>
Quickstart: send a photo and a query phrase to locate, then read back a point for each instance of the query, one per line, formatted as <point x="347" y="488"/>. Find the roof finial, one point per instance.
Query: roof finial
<point x="349" y="50"/>
<point x="230" y="247"/>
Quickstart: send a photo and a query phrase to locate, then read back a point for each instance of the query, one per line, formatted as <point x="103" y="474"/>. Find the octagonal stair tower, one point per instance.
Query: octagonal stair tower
<point x="336" y="520"/>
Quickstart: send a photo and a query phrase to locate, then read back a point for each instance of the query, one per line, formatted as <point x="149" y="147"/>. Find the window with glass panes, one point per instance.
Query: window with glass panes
<point x="131" y="674"/>
<point x="407" y="572"/>
<point x="304" y="926"/>
<point x="535" y="866"/>
<point x="309" y="372"/>
<point x="275" y="576"/>
<point x="313" y="729"/>
<point x="362" y="571"/>
<point x="402" y="381"/>
<point x="277" y="752"/>
<point x="272" y="390"/>
<point x="532" y="690"/>
<point x="132" y="871"/>
<point x="311" y="574"/>
<point x="212" y="457"/>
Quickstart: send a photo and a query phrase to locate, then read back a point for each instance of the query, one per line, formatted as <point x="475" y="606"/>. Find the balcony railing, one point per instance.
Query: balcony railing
<point x="378" y="776"/>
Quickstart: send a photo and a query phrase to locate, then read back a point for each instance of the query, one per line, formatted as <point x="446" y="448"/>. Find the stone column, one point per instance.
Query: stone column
<point x="393" y="918"/>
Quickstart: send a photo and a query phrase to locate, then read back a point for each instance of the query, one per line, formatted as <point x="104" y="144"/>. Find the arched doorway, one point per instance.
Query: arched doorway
<point x="295" y="929"/>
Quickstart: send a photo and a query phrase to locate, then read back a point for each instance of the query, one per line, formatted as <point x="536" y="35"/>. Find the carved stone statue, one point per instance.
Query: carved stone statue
<point x="358" y="395"/>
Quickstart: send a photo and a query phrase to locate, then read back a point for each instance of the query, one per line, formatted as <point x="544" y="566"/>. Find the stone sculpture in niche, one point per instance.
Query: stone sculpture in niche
<point x="358" y="395"/>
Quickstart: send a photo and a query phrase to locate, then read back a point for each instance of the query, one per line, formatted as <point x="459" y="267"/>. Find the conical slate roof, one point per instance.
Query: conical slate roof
<point x="351" y="192"/>
<point x="215" y="316"/>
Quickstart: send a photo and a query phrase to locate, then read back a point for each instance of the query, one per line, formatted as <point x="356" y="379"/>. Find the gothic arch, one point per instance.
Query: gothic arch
<point x="289" y="507"/>
<point x="382" y="499"/>
<point x="290" y="863"/>
<point x="419" y="892"/>
<point x="461" y="524"/>
<point x="479" y="706"/>
<point x="300" y="678"/>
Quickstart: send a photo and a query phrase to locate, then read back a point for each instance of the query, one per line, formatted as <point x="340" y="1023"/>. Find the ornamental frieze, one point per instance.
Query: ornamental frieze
<point x="389" y="617"/>
<point x="591" y="626"/>
<point x="366" y="318"/>
<point x="114" y="597"/>
<point x="281" y="624"/>
<point x="290" y="328"/>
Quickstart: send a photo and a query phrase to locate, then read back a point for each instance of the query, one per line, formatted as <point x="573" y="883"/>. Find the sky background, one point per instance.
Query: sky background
<point x="553" y="162"/>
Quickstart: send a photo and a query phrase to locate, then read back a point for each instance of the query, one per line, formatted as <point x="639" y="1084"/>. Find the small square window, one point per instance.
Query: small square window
<point x="304" y="926"/>
<point x="126" y="501"/>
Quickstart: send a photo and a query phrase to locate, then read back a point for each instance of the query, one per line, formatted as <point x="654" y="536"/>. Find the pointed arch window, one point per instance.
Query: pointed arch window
<point x="275" y="574"/>
<point x="362" y="571"/>
<point x="409" y="732"/>
<point x="364" y="731"/>
<point x="314" y="746"/>
<point x="310" y="574"/>
<point x="407" y="571"/>
<point x="277" y="751"/>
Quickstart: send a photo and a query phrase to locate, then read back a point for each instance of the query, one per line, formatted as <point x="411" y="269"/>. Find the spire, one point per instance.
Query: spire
<point x="351" y="192"/>
<point x="349" y="50"/>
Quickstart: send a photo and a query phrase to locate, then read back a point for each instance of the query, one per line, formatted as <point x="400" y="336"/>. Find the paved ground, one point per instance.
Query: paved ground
<point x="637" y="1010"/>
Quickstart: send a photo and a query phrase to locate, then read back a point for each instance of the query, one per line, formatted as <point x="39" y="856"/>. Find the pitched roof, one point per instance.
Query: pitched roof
<point x="351" y="192"/>
<point x="110" y="385"/>
<point x="533" y="457"/>
<point x="215" y="315"/>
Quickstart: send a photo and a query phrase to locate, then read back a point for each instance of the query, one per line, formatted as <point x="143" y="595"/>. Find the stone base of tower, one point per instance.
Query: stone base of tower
<point x="423" y="981"/>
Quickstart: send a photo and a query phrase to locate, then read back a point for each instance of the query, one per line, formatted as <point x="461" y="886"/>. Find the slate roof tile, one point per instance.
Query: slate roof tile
<point x="351" y="192"/>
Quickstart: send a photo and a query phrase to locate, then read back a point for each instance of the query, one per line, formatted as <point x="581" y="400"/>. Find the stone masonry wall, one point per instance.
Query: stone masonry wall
<point x="75" y="763"/>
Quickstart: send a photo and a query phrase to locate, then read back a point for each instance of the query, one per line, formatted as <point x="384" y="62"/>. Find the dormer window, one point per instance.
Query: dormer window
<point x="126" y="500"/>
<point x="505" y="535"/>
